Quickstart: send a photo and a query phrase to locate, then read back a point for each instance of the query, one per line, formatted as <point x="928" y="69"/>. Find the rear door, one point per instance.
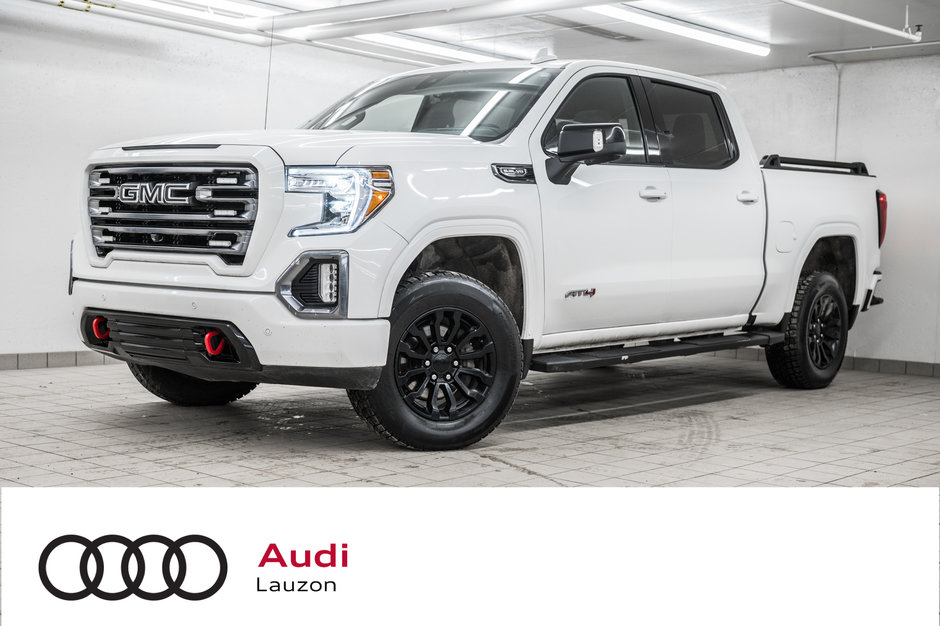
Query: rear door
<point x="718" y="205"/>
<point x="607" y="233"/>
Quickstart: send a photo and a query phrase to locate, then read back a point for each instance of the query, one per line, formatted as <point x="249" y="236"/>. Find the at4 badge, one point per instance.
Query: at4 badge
<point x="577" y="293"/>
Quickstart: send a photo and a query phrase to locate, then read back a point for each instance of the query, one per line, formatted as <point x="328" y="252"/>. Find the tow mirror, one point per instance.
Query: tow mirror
<point x="589" y="144"/>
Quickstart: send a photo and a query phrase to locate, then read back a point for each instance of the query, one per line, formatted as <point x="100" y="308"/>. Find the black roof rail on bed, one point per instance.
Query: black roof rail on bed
<point x="777" y="162"/>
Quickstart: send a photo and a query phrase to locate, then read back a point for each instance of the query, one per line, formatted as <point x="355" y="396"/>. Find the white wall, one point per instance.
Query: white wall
<point x="70" y="82"/>
<point x="73" y="81"/>
<point x="888" y="117"/>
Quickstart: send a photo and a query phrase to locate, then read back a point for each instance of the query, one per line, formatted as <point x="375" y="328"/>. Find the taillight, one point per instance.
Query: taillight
<point x="882" y="201"/>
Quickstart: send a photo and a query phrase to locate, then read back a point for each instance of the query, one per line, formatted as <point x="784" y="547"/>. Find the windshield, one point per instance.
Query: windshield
<point x="484" y="104"/>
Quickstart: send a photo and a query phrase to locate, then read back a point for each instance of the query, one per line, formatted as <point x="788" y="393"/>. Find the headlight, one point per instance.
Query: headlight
<point x="348" y="196"/>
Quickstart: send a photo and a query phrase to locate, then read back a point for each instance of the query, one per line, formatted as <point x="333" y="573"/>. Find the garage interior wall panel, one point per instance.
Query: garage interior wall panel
<point x="888" y="117"/>
<point x="74" y="81"/>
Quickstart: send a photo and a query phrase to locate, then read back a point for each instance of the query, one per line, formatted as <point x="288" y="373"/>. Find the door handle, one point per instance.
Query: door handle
<point x="746" y="197"/>
<point x="652" y="193"/>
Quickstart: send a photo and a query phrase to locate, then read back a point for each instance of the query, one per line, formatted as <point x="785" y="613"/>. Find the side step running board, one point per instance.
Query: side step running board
<point x="602" y="357"/>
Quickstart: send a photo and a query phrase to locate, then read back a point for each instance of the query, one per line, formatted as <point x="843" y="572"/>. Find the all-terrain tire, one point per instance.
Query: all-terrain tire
<point x="453" y="368"/>
<point x="815" y="335"/>
<point x="187" y="390"/>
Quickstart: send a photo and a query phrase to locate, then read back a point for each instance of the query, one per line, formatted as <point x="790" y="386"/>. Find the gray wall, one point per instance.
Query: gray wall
<point x="888" y="116"/>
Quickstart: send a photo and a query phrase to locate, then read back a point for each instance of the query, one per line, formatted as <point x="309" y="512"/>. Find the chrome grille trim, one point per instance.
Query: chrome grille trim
<point x="173" y="208"/>
<point x="169" y="217"/>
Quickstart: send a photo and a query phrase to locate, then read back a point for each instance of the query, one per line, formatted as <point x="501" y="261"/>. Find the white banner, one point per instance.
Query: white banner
<point x="744" y="557"/>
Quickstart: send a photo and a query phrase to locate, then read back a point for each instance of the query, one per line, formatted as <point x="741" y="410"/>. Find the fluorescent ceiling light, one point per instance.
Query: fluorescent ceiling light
<point x="239" y="8"/>
<point x="682" y="29"/>
<point x="914" y="36"/>
<point x="296" y="33"/>
<point x="219" y="11"/>
<point x="367" y="53"/>
<point x="413" y="45"/>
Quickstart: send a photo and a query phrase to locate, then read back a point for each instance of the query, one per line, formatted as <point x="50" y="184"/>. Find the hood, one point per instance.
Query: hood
<point x="301" y="147"/>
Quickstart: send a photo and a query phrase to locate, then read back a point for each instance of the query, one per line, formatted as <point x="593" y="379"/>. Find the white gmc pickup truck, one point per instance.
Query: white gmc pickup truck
<point x="430" y="238"/>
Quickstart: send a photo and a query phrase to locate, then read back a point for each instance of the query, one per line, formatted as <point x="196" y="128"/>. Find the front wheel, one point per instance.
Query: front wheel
<point x="453" y="368"/>
<point x="815" y="335"/>
<point x="186" y="390"/>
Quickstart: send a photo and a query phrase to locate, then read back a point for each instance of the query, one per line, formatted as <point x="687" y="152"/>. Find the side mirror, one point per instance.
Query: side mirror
<point x="590" y="144"/>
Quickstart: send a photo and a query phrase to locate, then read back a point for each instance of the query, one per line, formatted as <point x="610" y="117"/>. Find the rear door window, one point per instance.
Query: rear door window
<point x="691" y="126"/>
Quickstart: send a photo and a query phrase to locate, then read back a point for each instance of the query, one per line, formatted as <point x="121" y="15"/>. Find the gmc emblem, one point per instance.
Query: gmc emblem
<point x="155" y="193"/>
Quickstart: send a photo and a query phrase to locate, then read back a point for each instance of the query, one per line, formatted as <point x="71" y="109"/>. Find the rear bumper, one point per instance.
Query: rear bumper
<point x="870" y="298"/>
<point x="167" y="328"/>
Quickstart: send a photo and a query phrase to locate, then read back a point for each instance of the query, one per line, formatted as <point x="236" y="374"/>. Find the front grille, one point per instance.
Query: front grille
<point x="208" y="209"/>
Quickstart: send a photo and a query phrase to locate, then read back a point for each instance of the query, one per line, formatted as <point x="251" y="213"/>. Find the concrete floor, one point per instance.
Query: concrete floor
<point x="698" y="421"/>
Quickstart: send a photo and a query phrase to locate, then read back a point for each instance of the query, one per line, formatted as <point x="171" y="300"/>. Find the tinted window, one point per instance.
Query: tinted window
<point x="600" y="100"/>
<point x="689" y="126"/>
<point x="483" y="104"/>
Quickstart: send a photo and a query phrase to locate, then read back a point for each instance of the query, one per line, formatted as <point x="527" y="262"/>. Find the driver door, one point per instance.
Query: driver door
<point x="607" y="235"/>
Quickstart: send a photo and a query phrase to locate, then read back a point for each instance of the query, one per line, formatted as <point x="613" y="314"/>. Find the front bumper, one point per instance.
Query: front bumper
<point x="272" y="344"/>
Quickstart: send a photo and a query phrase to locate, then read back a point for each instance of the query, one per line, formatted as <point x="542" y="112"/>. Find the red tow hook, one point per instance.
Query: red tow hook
<point x="207" y="341"/>
<point x="99" y="326"/>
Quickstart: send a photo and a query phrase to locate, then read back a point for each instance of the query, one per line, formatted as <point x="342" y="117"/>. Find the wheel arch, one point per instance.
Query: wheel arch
<point x="838" y="256"/>
<point x="500" y="256"/>
<point x="827" y="249"/>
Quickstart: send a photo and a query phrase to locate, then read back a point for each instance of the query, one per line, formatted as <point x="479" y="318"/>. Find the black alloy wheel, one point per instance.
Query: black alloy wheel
<point x="824" y="332"/>
<point x="185" y="390"/>
<point x="445" y="364"/>
<point x="453" y="368"/>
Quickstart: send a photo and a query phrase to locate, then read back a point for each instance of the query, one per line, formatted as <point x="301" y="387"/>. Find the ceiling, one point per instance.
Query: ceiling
<point x="792" y="33"/>
<point x="519" y="28"/>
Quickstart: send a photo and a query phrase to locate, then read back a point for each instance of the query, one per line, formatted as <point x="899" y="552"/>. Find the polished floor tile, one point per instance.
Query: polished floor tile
<point x="698" y="421"/>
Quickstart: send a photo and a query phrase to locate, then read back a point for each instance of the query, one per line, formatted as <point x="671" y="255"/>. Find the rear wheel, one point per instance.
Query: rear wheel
<point x="453" y="368"/>
<point x="815" y="335"/>
<point x="186" y="390"/>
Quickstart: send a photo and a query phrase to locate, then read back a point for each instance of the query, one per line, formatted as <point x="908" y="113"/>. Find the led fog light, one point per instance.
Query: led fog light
<point x="329" y="282"/>
<point x="315" y="284"/>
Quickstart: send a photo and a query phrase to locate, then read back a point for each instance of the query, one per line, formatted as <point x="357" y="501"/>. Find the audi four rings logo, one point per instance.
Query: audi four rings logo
<point x="174" y="584"/>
